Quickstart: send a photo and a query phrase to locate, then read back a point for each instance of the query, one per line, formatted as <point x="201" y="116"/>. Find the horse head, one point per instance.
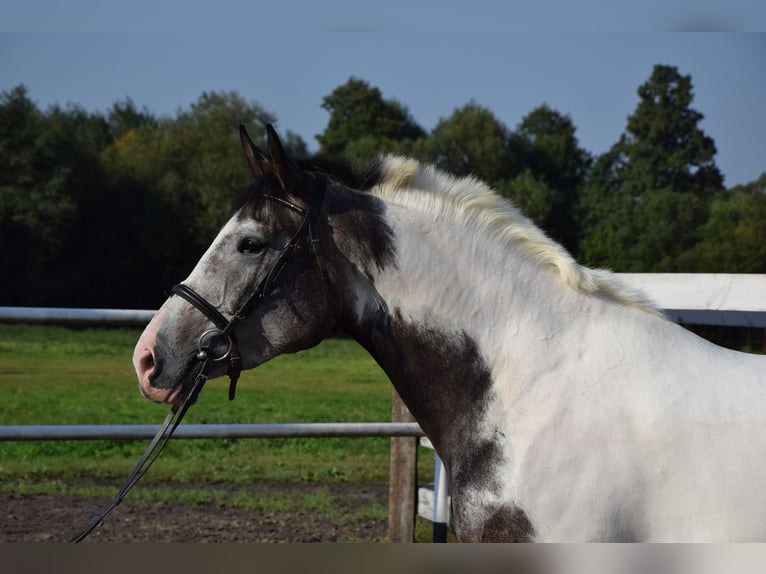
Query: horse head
<point x="260" y="289"/>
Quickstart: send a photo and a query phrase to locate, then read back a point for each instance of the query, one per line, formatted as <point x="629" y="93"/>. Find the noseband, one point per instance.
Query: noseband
<point x="224" y="328"/>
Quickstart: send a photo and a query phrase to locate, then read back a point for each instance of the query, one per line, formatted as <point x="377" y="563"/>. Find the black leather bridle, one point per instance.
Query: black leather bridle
<point x="224" y="330"/>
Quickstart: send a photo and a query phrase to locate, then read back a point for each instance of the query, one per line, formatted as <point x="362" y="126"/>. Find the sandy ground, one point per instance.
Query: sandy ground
<point x="50" y="518"/>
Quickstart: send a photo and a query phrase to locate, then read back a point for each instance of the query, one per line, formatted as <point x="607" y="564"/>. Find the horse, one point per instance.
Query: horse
<point x="564" y="405"/>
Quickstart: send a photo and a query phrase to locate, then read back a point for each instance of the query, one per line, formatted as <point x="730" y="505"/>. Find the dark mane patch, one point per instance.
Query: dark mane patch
<point x="252" y="203"/>
<point x="338" y="171"/>
<point x="341" y="171"/>
<point x="250" y="194"/>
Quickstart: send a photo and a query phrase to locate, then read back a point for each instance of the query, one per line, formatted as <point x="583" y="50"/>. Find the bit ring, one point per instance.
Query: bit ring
<point x="202" y="349"/>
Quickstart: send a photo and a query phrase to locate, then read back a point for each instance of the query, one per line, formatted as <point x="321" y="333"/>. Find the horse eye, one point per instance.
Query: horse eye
<point x="250" y="245"/>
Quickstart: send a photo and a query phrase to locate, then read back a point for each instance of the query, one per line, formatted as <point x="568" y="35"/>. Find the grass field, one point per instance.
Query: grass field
<point x="58" y="375"/>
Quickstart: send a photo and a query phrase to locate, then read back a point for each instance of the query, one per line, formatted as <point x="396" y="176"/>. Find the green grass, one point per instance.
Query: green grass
<point x="58" y="375"/>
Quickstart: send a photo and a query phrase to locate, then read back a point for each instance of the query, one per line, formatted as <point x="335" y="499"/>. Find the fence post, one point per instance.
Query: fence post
<point x="403" y="483"/>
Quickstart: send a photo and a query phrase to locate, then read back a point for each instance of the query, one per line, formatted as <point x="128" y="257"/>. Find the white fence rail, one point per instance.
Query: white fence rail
<point x="736" y="300"/>
<point x="71" y="316"/>
<point x="696" y="298"/>
<point x="189" y="431"/>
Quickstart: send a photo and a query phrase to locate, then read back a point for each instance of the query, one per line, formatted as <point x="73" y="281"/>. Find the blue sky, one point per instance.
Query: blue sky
<point x="431" y="56"/>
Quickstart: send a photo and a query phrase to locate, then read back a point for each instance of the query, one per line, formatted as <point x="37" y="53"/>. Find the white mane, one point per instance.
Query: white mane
<point x="426" y="188"/>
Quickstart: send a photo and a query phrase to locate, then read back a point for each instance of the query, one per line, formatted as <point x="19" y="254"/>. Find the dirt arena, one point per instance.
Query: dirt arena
<point x="51" y="518"/>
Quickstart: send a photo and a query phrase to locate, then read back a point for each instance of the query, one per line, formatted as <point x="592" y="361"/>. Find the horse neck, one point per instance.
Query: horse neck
<point x="442" y="320"/>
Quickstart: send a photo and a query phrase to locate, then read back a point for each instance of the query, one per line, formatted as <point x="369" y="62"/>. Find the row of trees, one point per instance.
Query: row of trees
<point x="110" y="209"/>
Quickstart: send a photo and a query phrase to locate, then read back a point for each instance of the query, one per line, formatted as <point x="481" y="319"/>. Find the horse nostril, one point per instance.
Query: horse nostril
<point x="146" y="364"/>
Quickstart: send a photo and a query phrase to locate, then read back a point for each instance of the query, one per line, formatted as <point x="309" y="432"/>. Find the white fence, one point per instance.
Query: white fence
<point x="737" y="300"/>
<point x="734" y="300"/>
<point x="50" y="315"/>
<point x="189" y="431"/>
<point x="703" y="299"/>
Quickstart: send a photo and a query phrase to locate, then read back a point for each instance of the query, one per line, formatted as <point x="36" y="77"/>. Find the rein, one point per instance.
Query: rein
<point x="158" y="444"/>
<point x="223" y="331"/>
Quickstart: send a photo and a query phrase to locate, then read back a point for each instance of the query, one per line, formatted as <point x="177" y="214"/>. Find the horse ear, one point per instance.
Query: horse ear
<point x="257" y="160"/>
<point x="281" y="163"/>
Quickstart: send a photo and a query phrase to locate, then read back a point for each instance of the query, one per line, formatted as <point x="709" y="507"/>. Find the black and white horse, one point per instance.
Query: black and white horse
<point x="564" y="406"/>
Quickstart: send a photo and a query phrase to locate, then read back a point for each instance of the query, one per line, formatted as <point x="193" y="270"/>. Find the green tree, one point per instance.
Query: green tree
<point x="110" y="210"/>
<point x="534" y="197"/>
<point x="540" y="166"/>
<point x="553" y="152"/>
<point x="472" y="141"/>
<point x="652" y="190"/>
<point x="124" y="117"/>
<point x="602" y="211"/>
<point x="733" y="237"/>
<point x="49" y="167"/>
<point x="362" y="123"/>
<point x="194" y="160"/>
<point x="553" y="157"/>
<point x="177" y="180"/>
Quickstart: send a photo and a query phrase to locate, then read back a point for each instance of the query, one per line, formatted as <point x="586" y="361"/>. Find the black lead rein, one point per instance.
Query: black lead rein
<point x="224" y="329"/>
<point x="159" y="442"/>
